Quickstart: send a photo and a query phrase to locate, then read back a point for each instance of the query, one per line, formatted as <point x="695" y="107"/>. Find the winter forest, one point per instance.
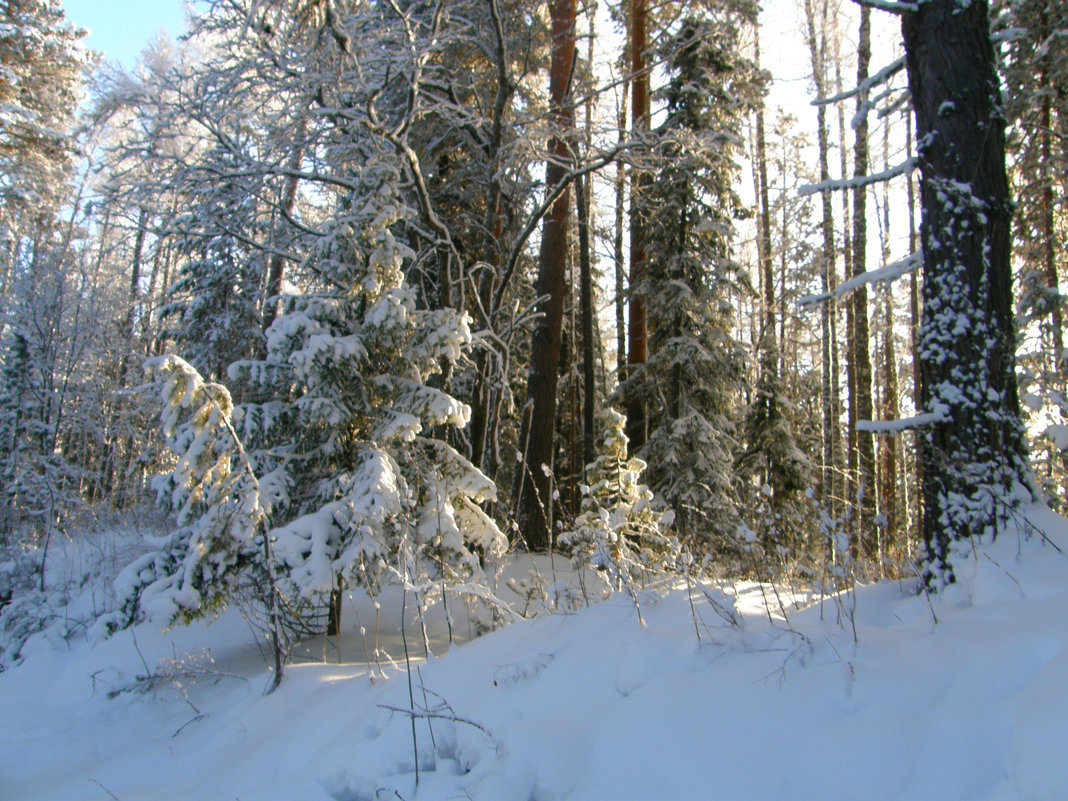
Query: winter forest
<point x="411" y="299"/>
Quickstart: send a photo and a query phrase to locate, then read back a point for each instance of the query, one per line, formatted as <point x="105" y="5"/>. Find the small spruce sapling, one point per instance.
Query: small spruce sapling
<point x="222" y="545"/>
<point x="353" y="431"/>
<point x="620" y="529"/>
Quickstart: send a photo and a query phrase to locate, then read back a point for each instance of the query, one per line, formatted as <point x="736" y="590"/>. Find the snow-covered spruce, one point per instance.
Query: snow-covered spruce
<point x="348" y="470"/>
<point x="620" y="530"/>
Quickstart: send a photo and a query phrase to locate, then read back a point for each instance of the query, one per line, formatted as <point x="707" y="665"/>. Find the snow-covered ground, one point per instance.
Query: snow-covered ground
<point x="962" y="696"/>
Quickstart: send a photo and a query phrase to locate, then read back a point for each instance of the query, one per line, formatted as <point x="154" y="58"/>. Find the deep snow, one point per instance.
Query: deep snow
<point x="961" y="696"/>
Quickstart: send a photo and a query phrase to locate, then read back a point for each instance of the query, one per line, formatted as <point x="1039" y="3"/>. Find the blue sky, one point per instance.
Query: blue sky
<point x="121" y="28"/>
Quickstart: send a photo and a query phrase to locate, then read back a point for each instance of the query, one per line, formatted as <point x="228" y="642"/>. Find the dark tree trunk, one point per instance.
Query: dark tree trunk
<point x="860" y="334"/>
<point x="586" y="301"/>
<point x="767" y="273"/>
<point x="620" y="186"/>
<point x="637" y="351"/>
<point x="534" y="503"/>
<point x="276" y="265"/>
<point x="973" y="453"/>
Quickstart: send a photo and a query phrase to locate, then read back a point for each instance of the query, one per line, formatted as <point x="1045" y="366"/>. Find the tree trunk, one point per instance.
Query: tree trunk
<point x="276" y="265"/>
<point x="767" y="273"/>
<point x="817" y="52"/>
<point x="860" y="334"/>
<point x="534" y="497"/>
<point x="586" y="301"/>
<point x="640" y="110"/>
<point x="973" y="453"/>
<point x="888" y="494"/>
<point x="915" y="520"/>
<point x="620" y="186"/>
<point x="848" y="272"/>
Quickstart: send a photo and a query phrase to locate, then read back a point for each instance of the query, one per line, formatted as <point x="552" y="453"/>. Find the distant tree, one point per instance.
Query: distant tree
<point x="42" y="330"/>
<point x="534" y="499"/>
<point x="214" y="307"/>
<point x="44" y="65"/>
<point x="771" y="455"/>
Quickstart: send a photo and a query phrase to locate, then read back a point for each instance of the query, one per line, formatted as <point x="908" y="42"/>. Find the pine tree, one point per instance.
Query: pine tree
<point x="973" y="451"/>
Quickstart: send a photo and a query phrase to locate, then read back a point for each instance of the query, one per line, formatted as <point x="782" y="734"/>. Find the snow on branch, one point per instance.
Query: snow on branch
<point x="900" y="426"/>
<point x="907" y="166"/>
<point x="1008" y="35"/>
<point x="893" y="6"/>
<point x="888" y="273"/>
<point x="882" y="76"/>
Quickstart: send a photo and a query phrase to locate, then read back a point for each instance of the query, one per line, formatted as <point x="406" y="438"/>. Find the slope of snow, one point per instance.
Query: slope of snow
<point x="962" y="696"/>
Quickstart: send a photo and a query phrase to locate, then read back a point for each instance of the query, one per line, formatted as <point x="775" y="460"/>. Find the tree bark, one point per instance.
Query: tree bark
<point x="640" y="111"/>
<point x="974" y="453"/>
<point x="861" y="399"/>
<point x="534" y="498"/>
<point x="620" y="186"/>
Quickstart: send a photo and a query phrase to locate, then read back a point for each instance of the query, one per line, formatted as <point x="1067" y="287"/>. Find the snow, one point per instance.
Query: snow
<point x="886" y="273"/>
<point x="837" y="184"/>
<point x="956" y="696"/>
<point x="900" y="426"/>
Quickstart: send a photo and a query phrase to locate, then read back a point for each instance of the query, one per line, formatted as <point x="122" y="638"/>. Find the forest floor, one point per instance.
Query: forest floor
<point x="877" y="694"/>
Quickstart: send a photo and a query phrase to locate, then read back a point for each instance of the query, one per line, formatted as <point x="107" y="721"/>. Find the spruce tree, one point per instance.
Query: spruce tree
<point x="336" y="468"/>
<point x="620" y="529"/>
<point x="692" y="381"/>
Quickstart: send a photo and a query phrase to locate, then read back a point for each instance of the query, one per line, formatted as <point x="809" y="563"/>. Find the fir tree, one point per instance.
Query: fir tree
<point x="352" y="438"/>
